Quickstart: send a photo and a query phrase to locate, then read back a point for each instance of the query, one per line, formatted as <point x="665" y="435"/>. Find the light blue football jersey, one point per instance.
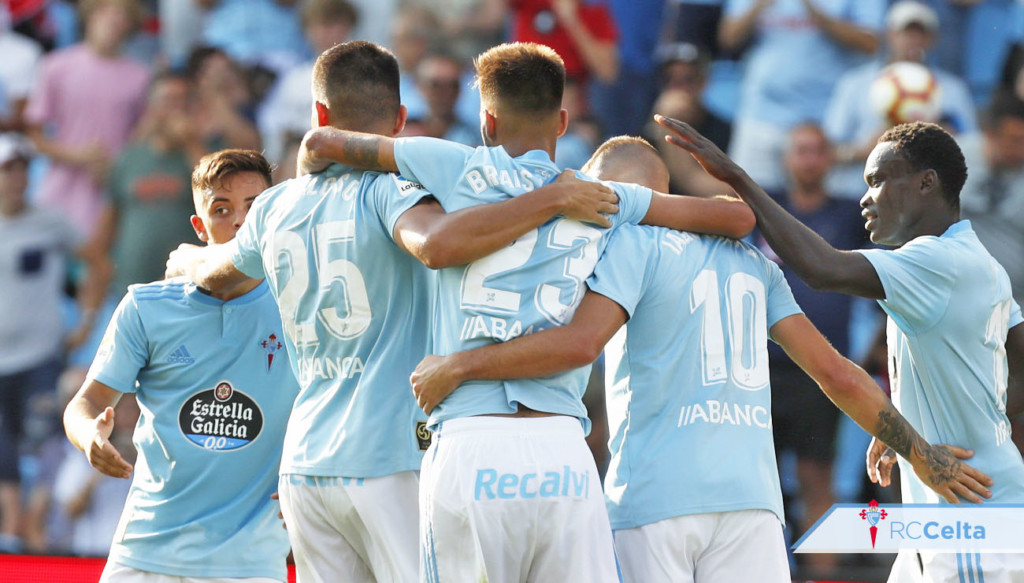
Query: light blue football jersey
<point x="533" y="284"/>
<point x="949" y="307"/>
<point x="213" y="385"/>
<point x="356" y="312"/>
<point x="689" y="404"/>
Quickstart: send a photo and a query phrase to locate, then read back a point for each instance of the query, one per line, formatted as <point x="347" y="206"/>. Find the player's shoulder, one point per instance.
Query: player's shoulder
<point x="166" y="289"/>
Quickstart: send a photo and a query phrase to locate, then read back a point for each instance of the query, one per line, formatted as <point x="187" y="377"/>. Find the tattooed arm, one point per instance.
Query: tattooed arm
<point x="323" y="145"/>
<point x="853" y="391"/>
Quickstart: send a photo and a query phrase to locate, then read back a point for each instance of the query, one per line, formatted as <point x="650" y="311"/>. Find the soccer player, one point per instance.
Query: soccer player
<point x="952" y="320"/>
<point x="213" y="384"/>
<point x="509" y="487"/>
<point x="692" y="488"/>
<point x="356" y="311"/>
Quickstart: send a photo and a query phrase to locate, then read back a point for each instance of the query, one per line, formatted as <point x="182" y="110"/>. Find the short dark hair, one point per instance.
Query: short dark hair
<point x="1004" y="104"/>
<point x="927" y="146"/>
<point x="213" y="169"/>
<point x="525" y="77"/>
<point x="358" y="81"/>
<point x="329" y="11"/>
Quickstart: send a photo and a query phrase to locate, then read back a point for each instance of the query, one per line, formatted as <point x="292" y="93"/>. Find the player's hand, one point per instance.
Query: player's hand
<point x="309" y="160"/>
<point x="880" y="459"/>
<point x="180" y="260"/>
<point x="101" y="454"/>
<point x="585" y="200"/>
<point x="940" y="468"/>
<point x="276" y="496"/>
<point x="432" y="381"/>
<point x="703" y="150"/>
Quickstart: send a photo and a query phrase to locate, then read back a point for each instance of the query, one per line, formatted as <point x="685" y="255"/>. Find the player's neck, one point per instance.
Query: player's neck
<point x="237" y="291"/>
<point x="518" y="144"/>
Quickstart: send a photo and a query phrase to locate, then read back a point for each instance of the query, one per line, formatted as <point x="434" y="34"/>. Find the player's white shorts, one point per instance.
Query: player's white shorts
<point x="931" y="567"/>
<point x="352" y="529"/>
<point x="117" y="573"/>
<point x="509" y="500"/>
<point x="744" y="545"/>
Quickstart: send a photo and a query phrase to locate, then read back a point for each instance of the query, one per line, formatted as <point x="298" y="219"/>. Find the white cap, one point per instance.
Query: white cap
<point x="906" y="12"/>
<point x="14" y="145"/>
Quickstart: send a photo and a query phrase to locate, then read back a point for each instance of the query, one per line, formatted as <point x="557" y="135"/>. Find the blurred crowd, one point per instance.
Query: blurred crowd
<point x="106" y="105"/>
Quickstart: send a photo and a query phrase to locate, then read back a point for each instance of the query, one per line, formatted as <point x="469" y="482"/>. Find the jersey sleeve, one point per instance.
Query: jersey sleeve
<point x="622" y="274"/>
<point x="918" y="281"/>
<point x="244" y="249"/>
<point x="634" y="202"/>
<point x="436" y="164"/>
<point x="393" y="195"/>
<point x="778" y="296"/>
<point x="123" y="351"/>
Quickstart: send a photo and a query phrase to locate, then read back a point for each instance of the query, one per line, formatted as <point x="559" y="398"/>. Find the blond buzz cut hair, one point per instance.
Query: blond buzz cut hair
<point x="626" y="146"/>
<point x="521" y="77"/>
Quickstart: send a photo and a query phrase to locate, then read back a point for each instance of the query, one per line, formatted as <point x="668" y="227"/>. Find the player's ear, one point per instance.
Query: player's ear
<point x="200" y="229"/>
<point x="403" y="116"/>
<point x="323" y="114"/>
<point x="490" y="125"/>
<point x="929" y="181"/>
<point x="563" y="122"/>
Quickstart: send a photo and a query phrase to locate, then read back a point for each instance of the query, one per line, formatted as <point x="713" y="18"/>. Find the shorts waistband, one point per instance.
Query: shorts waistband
<point x="519" y="425"/>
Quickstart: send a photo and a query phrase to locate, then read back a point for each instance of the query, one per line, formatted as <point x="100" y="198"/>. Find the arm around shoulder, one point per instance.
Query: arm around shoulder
<point x="726" y="216"/>
<point x="323" y="145"/>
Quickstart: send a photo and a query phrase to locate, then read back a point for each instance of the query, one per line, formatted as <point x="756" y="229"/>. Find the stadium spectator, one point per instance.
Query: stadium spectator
<point x="797" y="51"/>
<point x="18" y="71"/>
<point x="34" y="250"/>
<point x="221" y="106"/>
<point x="439" y="80"/>
<point x="684" y="75"/>
<point x="803" y="418"/>
<point x="84" y="108"/>
<point x="951" y="315"/>
<point x="254" y="33"/>
<point x="993" y="196"/>
<point x="853" y="124"/>
<point x="286" y="111"/>
<point x="214" y="385"/>
<point x="468" y="26"/>
<point x="582" y="33"/>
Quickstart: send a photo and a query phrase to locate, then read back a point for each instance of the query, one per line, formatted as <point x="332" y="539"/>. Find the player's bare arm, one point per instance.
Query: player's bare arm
<point x="88" y="423"/>
<point x="853" y="391"/>
<point x="209" y="267"/>
<point x="819" y="264"/>
<point x="439" y="239"/>
<point x="545" y="353"/>
<point x="1015" y="362"/>
<point x="324" y="145"/>
<point x="729" y="217"/>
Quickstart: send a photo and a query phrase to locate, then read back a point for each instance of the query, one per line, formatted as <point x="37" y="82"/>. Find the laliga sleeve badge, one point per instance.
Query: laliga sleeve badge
<point x="423" y="435"/>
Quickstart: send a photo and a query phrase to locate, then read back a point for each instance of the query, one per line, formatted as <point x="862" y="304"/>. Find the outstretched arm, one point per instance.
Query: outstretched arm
<point x="440" y="239"/>
<point x="323" y="145"/>
<point x="853" y="391"/>
<point x="721" y="215"/>
<point x="552" y="351"/>
<point x="819" y="264"/>
<point x="88" y="423"/>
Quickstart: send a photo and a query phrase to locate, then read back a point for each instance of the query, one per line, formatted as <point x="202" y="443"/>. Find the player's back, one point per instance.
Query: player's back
<point x="212" y="393"/>
<point x="950" y="307"/>
<point x="689" y="403"/>
<point x="533" y="284"/>
<point x="356" y="315"/>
